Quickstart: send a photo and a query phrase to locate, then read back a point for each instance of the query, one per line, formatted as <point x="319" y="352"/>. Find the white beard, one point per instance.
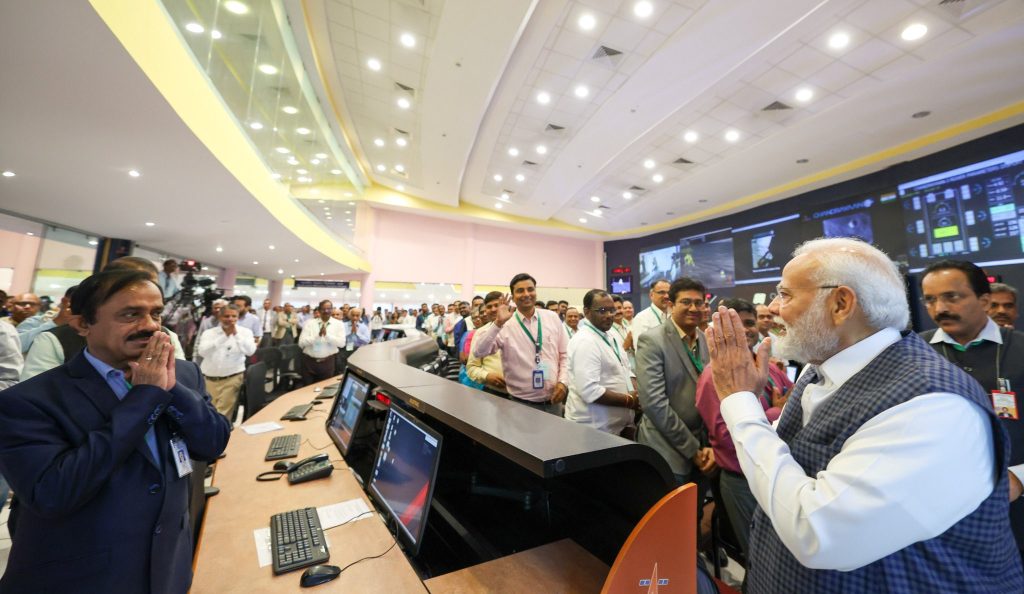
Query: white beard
<point x="810" y="339"/>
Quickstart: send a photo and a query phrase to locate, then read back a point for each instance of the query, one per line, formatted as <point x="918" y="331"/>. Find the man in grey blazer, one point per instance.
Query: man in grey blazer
<point x="669" y="360"/>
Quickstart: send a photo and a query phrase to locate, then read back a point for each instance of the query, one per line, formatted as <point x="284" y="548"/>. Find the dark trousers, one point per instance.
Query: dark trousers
<point x="315" y="370"/>
<point x="266" y="340"/>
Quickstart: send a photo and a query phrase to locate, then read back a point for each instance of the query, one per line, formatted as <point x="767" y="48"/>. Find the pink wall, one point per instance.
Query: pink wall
<point x="19" y="251"/>
<point x="406" y="247"/>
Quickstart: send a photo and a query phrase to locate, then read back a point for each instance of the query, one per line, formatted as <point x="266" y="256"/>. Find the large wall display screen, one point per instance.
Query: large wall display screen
<point x="874" y="218"/>
<point x="974" y="212"/>
<point x="655" y="264"/>
<point x="709" y="258"/>
<point x="762" y="249"/>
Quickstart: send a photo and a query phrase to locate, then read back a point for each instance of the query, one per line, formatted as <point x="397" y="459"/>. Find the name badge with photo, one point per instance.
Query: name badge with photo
<point x="180" y="456"/>
<point x="1005" y="405"/>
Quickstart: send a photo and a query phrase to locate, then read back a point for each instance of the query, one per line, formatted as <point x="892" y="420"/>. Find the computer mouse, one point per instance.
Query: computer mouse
<point x="282" y="465"/>
<point x="319" y="574"/>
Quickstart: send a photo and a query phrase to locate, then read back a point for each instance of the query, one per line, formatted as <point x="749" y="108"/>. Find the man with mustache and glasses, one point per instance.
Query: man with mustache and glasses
<point x="887" y="470"/>
<point x="97" y="451"/>
<point x="1002" y="306"/>
<point x="958" y="297"/>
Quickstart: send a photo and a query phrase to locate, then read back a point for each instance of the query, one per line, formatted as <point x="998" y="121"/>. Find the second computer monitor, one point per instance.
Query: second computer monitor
<point x="404" y="474"/>
<point x="347" y="410"/>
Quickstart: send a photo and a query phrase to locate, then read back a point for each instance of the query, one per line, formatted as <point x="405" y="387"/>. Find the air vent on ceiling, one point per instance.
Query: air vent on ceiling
<point x="965" y="9"/>
<point x="554" y="128"/>
<point x="776" y="106"/>
<point x="637" y="189"/>
<point x="605" y="207"/>
<point x="529" y="163"/>
<point x="400" y="131"/>
<point x="249" y="36"/>
<point x="405" y="88"/>
<point x="509" y="192"/>
<point x="607" y="56"/>
<point x="682" y="161"/>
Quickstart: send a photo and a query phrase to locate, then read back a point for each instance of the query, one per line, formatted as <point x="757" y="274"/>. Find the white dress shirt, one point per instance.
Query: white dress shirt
<point x="267" y="318"/>
<point x="11" y="360"/>
<point x="594" y="368"/>
<point x="225" y="355"/>
<point x="907" y="475"/>
<point x="317" y="346"/>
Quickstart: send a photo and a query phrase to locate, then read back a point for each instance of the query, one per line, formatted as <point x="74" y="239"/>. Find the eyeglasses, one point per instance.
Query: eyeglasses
<point x="784" y="294"/>
<point x="688" y="303"/>
<point x="949" y="298"/>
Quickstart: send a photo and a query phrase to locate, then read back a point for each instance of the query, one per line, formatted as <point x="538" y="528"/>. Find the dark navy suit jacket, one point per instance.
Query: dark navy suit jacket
<point x="94" y="512"/>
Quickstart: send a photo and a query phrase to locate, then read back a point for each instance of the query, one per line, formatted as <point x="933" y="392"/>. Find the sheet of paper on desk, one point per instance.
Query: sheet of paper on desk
<point x="339" y="513"/>
<point x="262" y="538"/>
<point x="258" y="428"/>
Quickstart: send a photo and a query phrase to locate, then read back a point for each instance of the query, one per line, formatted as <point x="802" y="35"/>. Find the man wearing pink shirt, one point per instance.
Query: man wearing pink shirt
<point x="737" y="499"/>
<point x="533" y="347"/>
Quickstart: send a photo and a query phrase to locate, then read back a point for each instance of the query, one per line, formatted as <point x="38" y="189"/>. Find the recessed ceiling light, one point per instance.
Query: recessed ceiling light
<point x="400" y="141"/>
<point x="275" y="176"/>
<point x="382" y="167"/>
<point x="596" y="212"/>
<point x="330" y="218"/>
<point x="378" y="142"/>
<point x="93" y="242"/>
<point x="302" y="131"/>
<point x="914" y="31"/>
<point x="292" y="161"/>
<point x="321" y="202"/>
<point x="513" y="151"/>
<point x="643" y="9"/>
<point x="804" y="95"/>
<point x="315" y="161"/>
<point x="236" y="7"/>
<point x="150" y="224"/>
<point x="657" y="178"/>
<point x="220" y="249"/>
<point x="194" y="28"/>
<point x="627" y="195"/>
<point x="304" y="180"/>
<point x="373" y="64"/>
<point x="280" y="271"/>
<point x="504" y="196"/>
<point x="583" y="220"/>
<point x="271" y="246"/>
<point x="268" y="68"/>
<point x="839" y="40"/>
<point x="520" y="177"/>
<point x="691" y="136"/>
<point x="595" y="198"/>
<point x="134" y="173"/>
<point x="649" y="164"/>
<point x="498" y="205"/>
<point x="282" y="150"/>
<point x="541" y="149"/>
<point x="216" y="34"/>
<point x="586" y="21"/>
<point x="301" y="171"/>
<point x="8" y="174"/>
<point x="581" y="91"/>
<point x="497" y="177"/>
<point x="335" y="171"/>
<point x="732" y="135"/>
<point x="543" y="97"/>
<point x="399" y="187"/>
<point x="321" y="274"/>
<point x="404" y="103"/>
<point x="320" y="155"/>
<point x="256" y="125"/>
<point x="400" y="168"/>
<point x="408" y="40"/>
<point x="296" y="260"/>
<point x="288" y="109"/>
<point x="29" y="233"/>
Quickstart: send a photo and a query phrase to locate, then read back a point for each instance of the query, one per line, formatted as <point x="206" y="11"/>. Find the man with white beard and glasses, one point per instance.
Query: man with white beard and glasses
<point x="887" y="470"/>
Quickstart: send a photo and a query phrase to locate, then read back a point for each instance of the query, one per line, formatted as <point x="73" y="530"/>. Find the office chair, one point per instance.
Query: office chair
<point x="288" y="376"/>
<point x="255" y="385"/>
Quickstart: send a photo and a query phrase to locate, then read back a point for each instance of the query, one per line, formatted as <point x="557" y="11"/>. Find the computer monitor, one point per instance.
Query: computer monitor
<point x="404" y="473"/>
<point x="346" y="411"/>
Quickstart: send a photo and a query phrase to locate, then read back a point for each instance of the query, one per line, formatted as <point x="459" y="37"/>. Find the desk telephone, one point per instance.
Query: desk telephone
<point x="312" y="468"/>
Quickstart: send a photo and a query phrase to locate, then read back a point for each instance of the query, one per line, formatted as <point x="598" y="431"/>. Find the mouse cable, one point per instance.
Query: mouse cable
<point x="329" y="444"/>
<point x="352" y="519"/>
<point x="393" y="545"/>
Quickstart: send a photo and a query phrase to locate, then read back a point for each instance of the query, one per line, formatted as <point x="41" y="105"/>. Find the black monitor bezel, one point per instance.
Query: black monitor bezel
<point x="343" y="448"/>
<point x="411" y="544"/>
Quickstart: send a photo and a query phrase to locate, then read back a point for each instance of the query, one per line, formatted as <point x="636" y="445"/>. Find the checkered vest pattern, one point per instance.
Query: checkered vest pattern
<point x="977" y="554"/>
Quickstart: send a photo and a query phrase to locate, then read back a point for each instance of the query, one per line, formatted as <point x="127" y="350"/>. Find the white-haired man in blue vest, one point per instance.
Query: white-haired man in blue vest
<point x="887" y="469"/>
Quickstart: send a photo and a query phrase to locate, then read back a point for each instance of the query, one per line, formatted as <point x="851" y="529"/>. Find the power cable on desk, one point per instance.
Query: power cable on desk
<point x="329" y="444"/>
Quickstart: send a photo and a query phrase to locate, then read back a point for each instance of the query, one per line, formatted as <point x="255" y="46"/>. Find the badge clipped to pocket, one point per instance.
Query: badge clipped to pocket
<point x="1005" y="405"/>
<point x="538" y="379"/>
<point x="180" y="454"/>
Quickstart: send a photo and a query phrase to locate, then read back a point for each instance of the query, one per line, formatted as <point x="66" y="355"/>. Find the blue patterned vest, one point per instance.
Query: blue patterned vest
<point x="977" y="554"/>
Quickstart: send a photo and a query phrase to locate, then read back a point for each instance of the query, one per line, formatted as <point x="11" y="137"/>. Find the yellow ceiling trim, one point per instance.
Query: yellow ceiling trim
<point x="149" y="36"/>
<point x="63" y="273"/>
<point x="393" y="286"/>
<point x="900" y="149"/>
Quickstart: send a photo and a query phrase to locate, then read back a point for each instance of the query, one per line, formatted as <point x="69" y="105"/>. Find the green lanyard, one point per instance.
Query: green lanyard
<point x="605" y="339"/>
<point x="540" y="333"/>
<point x="693" y="358"/>
<point x="654" y="310"/>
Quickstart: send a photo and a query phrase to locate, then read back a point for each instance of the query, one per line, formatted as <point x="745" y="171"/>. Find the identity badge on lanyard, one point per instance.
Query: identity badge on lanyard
<point x="538" y="369"/>
<point x="1004" y="401"/>
<point x="181" y="459"/>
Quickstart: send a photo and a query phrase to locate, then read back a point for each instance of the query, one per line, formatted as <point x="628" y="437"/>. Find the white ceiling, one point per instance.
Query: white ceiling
<point x="77" y="114"/>
<point x="692" y="65"/>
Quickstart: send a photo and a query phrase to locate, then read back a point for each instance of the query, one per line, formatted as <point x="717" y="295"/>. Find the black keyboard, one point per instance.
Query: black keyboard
<point x="296" y="540"/>
<point x="283" y="446"/>
<point x="298" y="413"/>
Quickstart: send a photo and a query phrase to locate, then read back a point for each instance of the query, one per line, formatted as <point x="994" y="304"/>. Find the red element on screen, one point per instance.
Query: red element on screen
<point x="413" y="511"/>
